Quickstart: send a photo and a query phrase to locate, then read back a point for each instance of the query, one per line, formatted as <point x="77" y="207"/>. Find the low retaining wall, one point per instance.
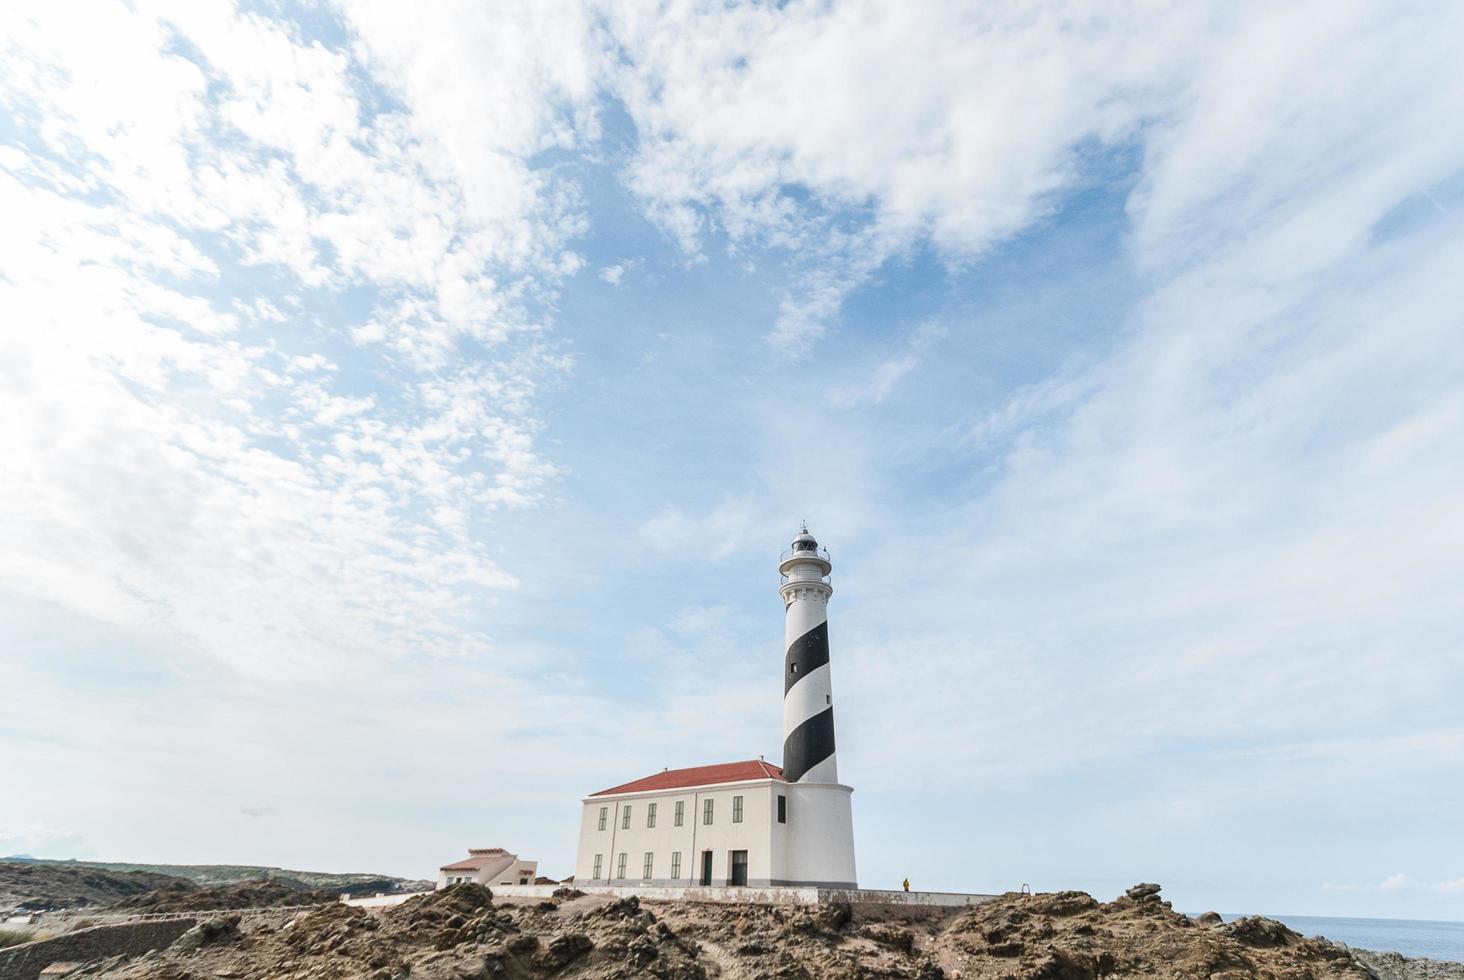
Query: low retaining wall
<point x="771" y="895"/>
<point x="876" y="896"/>
<point x="380" y="901"/>
<point x="26" y="961"/>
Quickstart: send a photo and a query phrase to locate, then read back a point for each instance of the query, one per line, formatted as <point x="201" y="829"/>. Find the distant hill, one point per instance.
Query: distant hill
<point x="70" y="883"/>
<point x="38" y="885"/>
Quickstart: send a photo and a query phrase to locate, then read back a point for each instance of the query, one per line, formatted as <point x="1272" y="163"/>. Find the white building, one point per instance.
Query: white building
<point x="488" y="866"/>
<point x="743" y="823"/>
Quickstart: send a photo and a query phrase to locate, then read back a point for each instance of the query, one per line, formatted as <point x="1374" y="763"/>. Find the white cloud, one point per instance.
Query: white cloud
<point x="1399" y="883"/>
<point x="932" y="121"/>
<point x="253" y="504"/>
<point x="888" y="373"/>
<point x="702" y="619"/>
<point x="615" y="274"/>
<point x="727" y="527"/>
<point x="1241" y="526"/>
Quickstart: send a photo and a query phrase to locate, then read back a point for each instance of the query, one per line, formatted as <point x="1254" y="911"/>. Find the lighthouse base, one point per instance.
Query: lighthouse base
<point x="815" y="848"/>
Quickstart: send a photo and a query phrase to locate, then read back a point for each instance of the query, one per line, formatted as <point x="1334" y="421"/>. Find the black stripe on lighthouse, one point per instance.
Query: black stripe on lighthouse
<point x="806" y="654"/>
<point x="809" y="744"/>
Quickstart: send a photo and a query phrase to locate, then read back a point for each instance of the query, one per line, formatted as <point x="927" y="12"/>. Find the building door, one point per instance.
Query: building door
<point x="739" y="867"/>
<point x="706" y="878"/>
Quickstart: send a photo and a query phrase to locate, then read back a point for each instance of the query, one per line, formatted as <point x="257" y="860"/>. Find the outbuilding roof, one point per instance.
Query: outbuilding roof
<point x="726" y="772"/>
<point x="482" y="857"/>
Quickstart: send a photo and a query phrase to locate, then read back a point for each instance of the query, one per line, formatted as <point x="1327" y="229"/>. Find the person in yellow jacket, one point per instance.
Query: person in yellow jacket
<point x="907" y="884"/>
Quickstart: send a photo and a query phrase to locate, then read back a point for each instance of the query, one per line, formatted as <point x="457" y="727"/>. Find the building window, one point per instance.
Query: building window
<point x="650" y="815"/>
<point x="646" y="866"/>
<point x="782" y="809"/>
<point x="604" y="811"/>
<point x="596" y="873"/>
<point x="620" y="866"/>
<point x="625" y="818"/>
<point x="736" y="809"/>
<point x="680" y="812"/>
<point x="675" y="865"/>
<point x="707" y="812"/>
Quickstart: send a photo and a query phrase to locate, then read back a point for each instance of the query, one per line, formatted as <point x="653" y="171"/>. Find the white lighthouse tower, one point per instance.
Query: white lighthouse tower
<point x="820" y="839"/>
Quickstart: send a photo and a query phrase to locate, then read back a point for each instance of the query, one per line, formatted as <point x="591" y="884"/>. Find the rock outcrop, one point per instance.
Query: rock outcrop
<point x="49" y="886"/>
<point x="1144" y="891"/>
<point x="463" y="932"/>
<point x="1395" y="966"/>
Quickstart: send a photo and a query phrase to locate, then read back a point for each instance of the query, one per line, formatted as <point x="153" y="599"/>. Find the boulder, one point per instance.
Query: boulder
<point x="563" y="950"/>
<point x="1262" y="933"/>
<point x="1144" y="891"/>
<point x="890" y="937"/>
<point x="209" y="932"/>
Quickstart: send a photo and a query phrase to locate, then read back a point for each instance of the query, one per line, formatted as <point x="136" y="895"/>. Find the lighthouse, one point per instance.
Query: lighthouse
<point x="745" y="823"/>
<point x="817" y="843"/>
<point x="808" y="693"/>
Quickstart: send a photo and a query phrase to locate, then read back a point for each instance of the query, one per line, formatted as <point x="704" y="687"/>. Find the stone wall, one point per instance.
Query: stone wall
<point x="26" y="961"/>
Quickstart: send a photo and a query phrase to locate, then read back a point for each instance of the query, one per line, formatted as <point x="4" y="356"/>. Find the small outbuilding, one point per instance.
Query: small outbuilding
<point x="488" y="866"/>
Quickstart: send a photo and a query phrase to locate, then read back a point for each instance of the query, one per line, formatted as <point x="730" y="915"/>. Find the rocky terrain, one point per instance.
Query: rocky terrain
<point x="462" y="933"/>
<point x="265" y="893"/>
<point x="1395" y="966"/>
<point x="40" y="886"/>
<point x="156" y="888"/>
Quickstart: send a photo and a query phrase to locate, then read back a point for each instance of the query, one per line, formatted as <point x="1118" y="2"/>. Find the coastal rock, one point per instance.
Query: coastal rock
<point x="1395" y="966"/>
<point x="220" y="929"/>
<point x="890" y="937"/>
<point x="463" y="932"/>
<point x="1210" y="919"/>
<point x="1262" y="933"/>
<point x="1144" y="891"/>
<point x="563" y="950"/>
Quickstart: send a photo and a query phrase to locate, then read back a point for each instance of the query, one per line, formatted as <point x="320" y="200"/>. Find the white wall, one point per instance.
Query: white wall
<point x="816" y="846"/>
<point x="511" y="874"/>
<point x="820" y="835"/>
<point x="721" y="837"/>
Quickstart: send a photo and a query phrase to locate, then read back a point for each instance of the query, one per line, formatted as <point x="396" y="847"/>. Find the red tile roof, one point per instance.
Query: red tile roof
<point x="727" y="772"/>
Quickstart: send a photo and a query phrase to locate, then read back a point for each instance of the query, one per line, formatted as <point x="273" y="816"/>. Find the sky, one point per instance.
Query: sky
<point x="403" y="408"/>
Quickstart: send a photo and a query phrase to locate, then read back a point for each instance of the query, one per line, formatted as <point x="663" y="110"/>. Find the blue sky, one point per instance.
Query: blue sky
<point x="403" y="411"/>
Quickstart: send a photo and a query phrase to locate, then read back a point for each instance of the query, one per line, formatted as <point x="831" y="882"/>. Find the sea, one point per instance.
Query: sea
<point x="1411" y="937"/>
